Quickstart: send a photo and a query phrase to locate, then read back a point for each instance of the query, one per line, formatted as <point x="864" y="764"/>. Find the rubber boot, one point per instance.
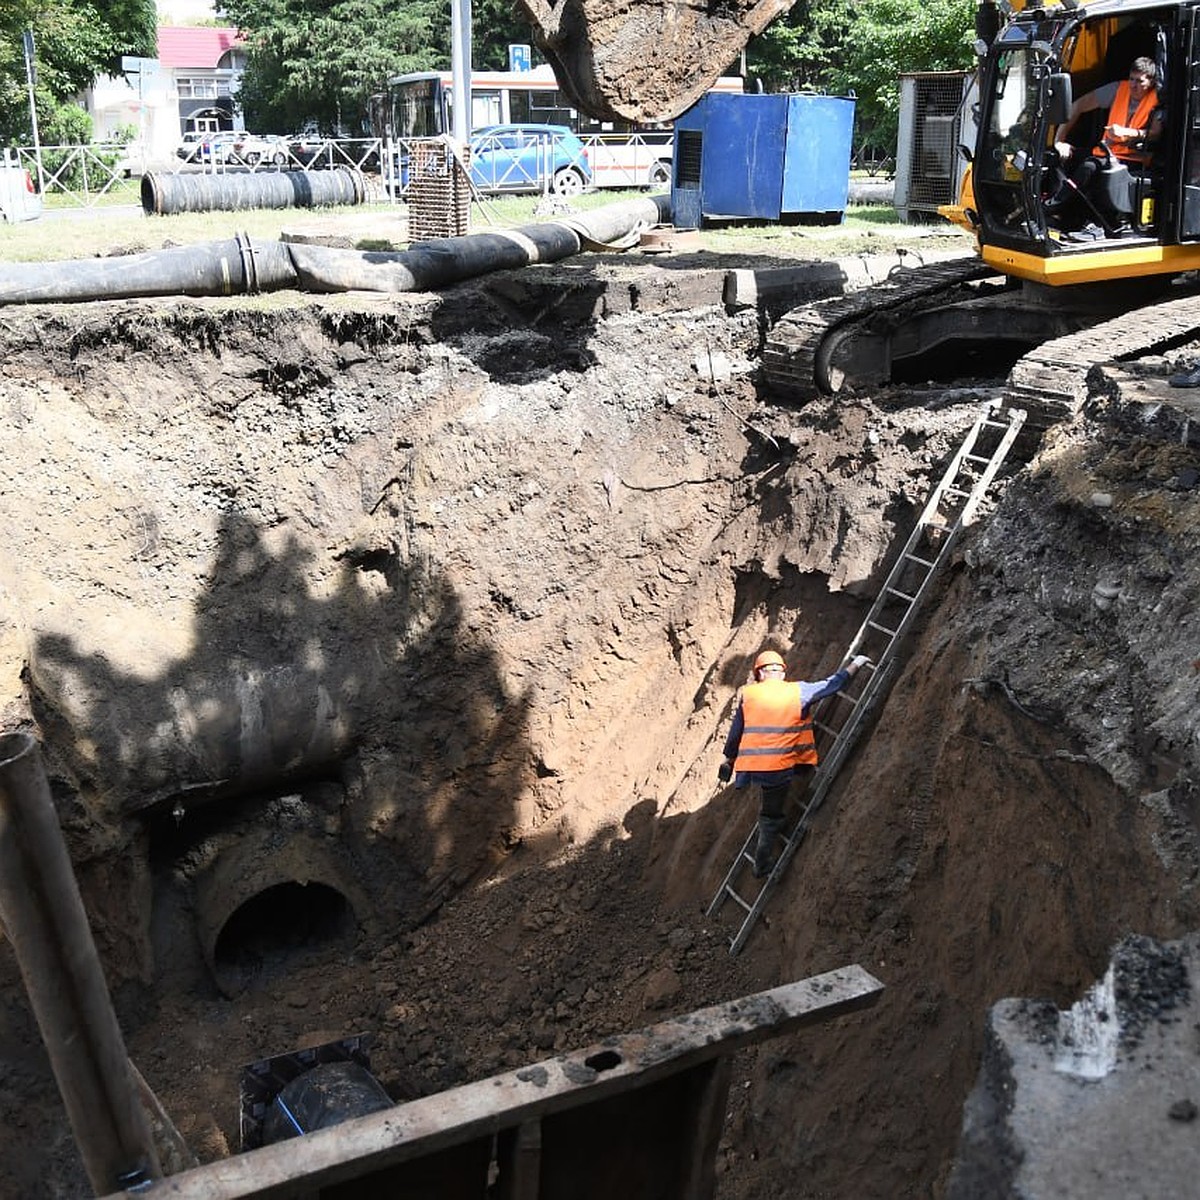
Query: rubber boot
<point x="769" y="828"/>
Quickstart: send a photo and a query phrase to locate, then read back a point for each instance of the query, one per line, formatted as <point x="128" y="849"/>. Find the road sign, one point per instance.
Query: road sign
<point x="519" y="58"/>
<point x="131" y="65"/>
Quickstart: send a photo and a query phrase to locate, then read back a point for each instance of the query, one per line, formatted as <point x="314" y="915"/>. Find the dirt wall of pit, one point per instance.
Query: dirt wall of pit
<point x="451" y="598"/>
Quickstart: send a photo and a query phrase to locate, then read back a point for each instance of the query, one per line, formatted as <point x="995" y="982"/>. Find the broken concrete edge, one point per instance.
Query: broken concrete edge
<point x="780" y="288"/>
<point x="1097" y="1099"/>
<point x="618" y="1064"/>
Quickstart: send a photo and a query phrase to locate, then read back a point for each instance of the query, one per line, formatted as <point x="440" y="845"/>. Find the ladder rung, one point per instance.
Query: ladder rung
<point x="976" y="458"/>
<point x="902" y="595"/>
<point x="938" y="526"/>
<point x="953" y="491"/>
<point x="882" y="628"/>
<point x="734" y="896"/>
<point x="829" y="729"/>
<point x="918" y="559"/>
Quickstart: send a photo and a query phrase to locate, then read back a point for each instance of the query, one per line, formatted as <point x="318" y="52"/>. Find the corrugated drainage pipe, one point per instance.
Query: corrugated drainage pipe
<point x="166" y="194"/>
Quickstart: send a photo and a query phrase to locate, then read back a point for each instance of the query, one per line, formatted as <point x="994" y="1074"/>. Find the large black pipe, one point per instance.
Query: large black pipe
<point x="46" y="923"/>
<point x="166" y="194"/>
<point x="238" y="267"/>
<point x="227" y="268"/>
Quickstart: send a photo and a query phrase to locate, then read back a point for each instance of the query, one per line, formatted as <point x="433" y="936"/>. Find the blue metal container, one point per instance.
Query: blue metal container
<point x="771" y="158"/>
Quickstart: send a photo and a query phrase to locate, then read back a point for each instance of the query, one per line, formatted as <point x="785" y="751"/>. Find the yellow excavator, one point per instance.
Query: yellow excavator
<point x="1034" y="279"/>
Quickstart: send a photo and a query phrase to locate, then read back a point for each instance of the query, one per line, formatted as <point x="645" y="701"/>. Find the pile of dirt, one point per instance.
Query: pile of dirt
<point x="442" y="603"/>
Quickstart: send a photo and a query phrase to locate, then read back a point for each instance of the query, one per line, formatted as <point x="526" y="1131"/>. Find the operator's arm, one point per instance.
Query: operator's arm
<point x="810" y="693"/>
<point x="1086" y="103"/>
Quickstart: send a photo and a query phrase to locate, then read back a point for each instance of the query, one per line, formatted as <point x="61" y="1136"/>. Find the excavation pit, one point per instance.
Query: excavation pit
<point x="528" y="550"/>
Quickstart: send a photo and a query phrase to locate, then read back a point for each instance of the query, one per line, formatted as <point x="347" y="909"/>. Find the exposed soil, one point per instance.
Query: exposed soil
<point x="439" y="604"/>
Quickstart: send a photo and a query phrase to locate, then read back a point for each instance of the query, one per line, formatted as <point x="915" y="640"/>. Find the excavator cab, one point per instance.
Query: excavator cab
<point x="1031" y="283"/>
<point x="1143" y="217"/>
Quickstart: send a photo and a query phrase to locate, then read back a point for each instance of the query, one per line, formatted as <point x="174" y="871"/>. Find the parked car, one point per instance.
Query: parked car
<point x="310" y="149"/>
<point x="19" y="198"/>
<point x="254" y="148"/>
<point x="529" y="158"/>
<point x="208" y="147"/>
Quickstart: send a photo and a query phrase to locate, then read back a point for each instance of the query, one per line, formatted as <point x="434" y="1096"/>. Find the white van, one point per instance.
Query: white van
<point x="19" y="199"/>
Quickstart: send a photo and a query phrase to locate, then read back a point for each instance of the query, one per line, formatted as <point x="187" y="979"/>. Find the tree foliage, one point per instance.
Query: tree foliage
<point x="317" y="62"/>
<point x="861" y="49"/>
<point x="74" y="41"/>
<point x="495" y="26"/>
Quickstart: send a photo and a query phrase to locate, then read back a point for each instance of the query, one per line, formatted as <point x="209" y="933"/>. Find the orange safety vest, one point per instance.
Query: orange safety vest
<point x="774" y="734"/>
<point x="1118" y="114"/>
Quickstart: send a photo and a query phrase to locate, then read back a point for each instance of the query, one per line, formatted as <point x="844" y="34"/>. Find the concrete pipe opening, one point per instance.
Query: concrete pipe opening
<point x="282" y="925"/>
<point x="270" y="904"/>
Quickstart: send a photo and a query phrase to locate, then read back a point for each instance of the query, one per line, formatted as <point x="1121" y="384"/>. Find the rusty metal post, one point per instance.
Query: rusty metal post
<point x="44" y="918"/>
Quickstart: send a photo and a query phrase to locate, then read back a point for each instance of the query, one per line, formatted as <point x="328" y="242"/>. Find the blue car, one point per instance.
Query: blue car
<point x="529" y="158"/>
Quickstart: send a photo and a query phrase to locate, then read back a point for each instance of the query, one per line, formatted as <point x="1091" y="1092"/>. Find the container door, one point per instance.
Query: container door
<point x="816" y="175"/>
<point x="687" y="155"/>
<point x="742" y="170"/>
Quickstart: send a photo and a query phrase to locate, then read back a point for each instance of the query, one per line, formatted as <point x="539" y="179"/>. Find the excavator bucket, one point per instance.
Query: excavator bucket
<point x="643" y="60"/>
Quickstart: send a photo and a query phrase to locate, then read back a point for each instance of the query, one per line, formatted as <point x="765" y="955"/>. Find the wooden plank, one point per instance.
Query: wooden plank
<point x="358" y="1148"/>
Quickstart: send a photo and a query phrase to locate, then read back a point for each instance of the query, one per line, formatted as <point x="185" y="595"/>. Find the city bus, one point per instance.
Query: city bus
<point x="619" y="154"/>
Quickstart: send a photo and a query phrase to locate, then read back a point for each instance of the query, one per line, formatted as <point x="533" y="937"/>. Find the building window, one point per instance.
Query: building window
<point x="203" y="87"/>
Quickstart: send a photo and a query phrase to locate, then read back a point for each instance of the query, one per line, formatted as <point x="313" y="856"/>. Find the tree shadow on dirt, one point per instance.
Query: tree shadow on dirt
<point x="343" y="705"/>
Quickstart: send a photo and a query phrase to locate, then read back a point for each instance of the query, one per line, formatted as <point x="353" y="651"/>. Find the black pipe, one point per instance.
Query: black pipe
<point x="436" y="263"/>
<point x="239" y="267"/>
<point x="227" y="268"/>
<point x="208" y="192"/>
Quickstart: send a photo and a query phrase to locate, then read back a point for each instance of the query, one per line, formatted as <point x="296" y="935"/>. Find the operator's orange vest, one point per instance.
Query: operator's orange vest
<point x="774" y="735"/>
<point x="1118" y="114"/>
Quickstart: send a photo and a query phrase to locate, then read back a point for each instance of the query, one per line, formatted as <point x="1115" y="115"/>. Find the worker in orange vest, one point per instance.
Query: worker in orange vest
<point x="771" y="740"/>
<point x="1133" y="126"/>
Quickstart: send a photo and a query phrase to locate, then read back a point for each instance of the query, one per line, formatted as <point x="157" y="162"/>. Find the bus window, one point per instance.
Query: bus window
<point x="419" y="108"/>
<point x="486" y="109"/>
<point x="547" y="108"/>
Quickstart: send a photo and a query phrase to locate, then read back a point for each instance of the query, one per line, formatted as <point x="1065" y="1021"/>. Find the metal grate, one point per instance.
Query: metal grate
<point x="689" y="150"/>
<point x="929" y="162"/>
<point x="439" y="191"/>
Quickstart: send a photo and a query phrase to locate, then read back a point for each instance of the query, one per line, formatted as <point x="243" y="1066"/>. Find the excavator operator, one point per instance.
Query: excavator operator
<point x="771" y="740"/>
<point x="1133" y="125"/>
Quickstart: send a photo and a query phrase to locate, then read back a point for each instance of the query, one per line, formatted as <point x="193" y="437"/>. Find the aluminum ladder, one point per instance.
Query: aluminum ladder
<point x="951" y="507"/>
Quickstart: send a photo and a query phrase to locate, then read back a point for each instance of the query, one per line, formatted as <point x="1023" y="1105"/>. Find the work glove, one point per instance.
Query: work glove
<point x="725" y="771"/>
<point x="859" y="660"/>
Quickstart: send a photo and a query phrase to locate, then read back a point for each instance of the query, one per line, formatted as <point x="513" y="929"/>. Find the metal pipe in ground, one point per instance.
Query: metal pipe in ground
<point x="44" y="918"/>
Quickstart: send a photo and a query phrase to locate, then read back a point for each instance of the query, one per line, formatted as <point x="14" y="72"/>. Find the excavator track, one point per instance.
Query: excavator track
<point x="847" y="341"/>
<point x="1050" y="382"/>
<point x="795" y="357"/>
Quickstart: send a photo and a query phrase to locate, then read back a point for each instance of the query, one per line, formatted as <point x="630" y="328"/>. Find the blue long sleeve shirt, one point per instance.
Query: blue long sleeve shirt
<point x="810" y="693"/>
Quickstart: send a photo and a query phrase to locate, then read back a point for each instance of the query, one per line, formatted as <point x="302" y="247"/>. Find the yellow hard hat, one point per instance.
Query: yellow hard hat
<point x="768" y="658"/>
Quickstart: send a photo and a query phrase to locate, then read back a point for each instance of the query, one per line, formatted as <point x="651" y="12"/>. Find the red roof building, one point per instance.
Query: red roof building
<point x="201" y="46"/>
